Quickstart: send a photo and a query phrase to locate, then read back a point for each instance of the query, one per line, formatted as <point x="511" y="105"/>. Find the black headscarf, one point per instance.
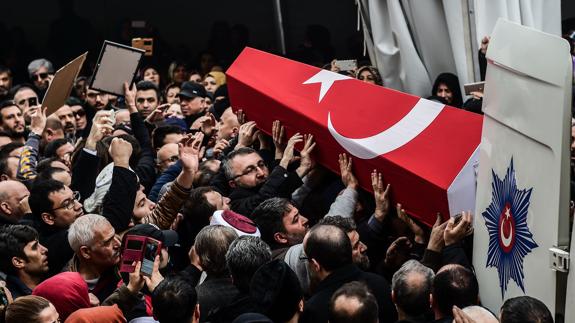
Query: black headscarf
<point x="452" y="83"/>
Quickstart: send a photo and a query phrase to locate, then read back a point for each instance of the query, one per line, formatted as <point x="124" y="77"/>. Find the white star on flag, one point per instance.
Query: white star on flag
<point x="326" y="78"/>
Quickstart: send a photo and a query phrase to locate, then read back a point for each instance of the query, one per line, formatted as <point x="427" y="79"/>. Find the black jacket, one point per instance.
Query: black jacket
<point x="316" y="309"/>
<point x="59" y="250"/>
<point x="280" y="183"/>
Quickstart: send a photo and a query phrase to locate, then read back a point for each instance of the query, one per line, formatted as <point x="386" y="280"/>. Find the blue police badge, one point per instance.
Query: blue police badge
<point x="509" y="237"/>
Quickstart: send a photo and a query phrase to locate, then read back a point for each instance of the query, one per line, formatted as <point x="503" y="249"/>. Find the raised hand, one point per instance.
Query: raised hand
<point x="189" y="151"/>
<point x="220" y="146"/>
<point x="247" y="134"/>
<point x="208" y="124"/>
<point x="102" y="126"/>
<point x="347" y="176"/>
<point x="120" y="150"/>
<point x="136" y="281"/>
<point x="414" y="227"/>
<point x="307" y="163"/>
<point x="436" y="241"/>
<point x="278" y="136"/>
<point x="289" y="151"/>
<point x="457" y="228"/>
<point x="241" y="116"/>
<point x="153" y="281"/>
<point x="130" y="97"/>
<point x="37" y="119"/>
<point x="158" y="113"/>
<point x="381" y="196"/>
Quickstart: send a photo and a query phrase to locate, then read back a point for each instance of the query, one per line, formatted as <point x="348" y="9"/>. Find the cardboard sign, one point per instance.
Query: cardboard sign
<point x="61" y="86"/>
<point x="424" y="149"/>
<point x="117" y="64"/>
<point x="523" y="178"/>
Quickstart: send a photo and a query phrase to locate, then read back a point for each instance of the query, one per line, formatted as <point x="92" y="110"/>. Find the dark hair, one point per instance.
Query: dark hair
<point x="5" y="69"/>
<point x="346" y="224"/>
<point x="226" y="164"/>
<point x="13" y="239"/>
<point x="329" y="246"/>
<point x="147" y="85"/>
<point x="45" y="164"/>
<point x="170" y="86"/>
<point x="160" y="133"/>
<point x="367" y="311"/>
<point x="48" y="172"/>
<point x="454" y="285"/>
<point x="411" y="285"/>
<point x="245" y="255"/>
<point x="452" y="82"/>
<point x="6" y="104"/>
<point x="7" y="149"/>
<point x="197" y="206"/>
<point x="268" y="217"/>
<point x="525" y="309"/>
<point x="39" y="200"/>
<point x="26" y="309"/>
<point x="205" y="174"/>
<point x="53" y="146"/>
<point x="74" y="101"/>
<point x="174" y="300"/>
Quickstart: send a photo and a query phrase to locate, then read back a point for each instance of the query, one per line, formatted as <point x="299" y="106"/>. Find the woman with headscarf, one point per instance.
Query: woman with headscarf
<point x="67" y="291"/>
<point x="369" y="74"/>
<point x="446" y="86"/>
<point x="214" y="80"/>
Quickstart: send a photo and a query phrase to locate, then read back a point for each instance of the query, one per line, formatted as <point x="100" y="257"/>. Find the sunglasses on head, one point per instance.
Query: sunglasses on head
<point x="40" y="76"/>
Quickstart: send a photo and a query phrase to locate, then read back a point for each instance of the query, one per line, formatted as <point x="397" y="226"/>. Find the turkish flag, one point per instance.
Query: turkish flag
<point x="424" y="149"/>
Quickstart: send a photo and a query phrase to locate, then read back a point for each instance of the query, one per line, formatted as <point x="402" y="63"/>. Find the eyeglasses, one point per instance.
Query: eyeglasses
<point x="69" y="203"/>
<point x="79" y="113"/>
<point x="252" y="169"/>
<point x="39" y="76"/>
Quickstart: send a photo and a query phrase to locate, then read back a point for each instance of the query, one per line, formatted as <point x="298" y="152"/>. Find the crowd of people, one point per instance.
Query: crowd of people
<point x="247" y="229"/>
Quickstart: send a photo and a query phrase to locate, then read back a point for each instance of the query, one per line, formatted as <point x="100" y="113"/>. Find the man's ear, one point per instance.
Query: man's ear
<point x="4" y="177"/>
<point x="47" y="218"/>
<point x="17" y="262"/>
<point x="280" y="238"/>
<point x="84" y="252"/>
<point x="5" y="208"/>
<point x="232" y="183"/>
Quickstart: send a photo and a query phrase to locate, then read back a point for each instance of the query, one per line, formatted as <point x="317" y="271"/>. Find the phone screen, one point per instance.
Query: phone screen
<point x="150" y="252"/>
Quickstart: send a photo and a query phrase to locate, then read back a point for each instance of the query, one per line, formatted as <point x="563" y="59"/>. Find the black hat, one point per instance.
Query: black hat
<point x="168" y="237"/>
<point x="222" y="90"/>
<point x="192" y="90"/>
<point x="219" y="108"/>
<point x="276" y="290"/>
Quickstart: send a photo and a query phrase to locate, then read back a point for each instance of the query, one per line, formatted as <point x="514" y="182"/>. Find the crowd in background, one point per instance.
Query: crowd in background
<point x="251" y="230"/>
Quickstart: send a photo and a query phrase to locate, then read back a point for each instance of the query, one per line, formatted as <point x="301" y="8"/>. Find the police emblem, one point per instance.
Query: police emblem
<point x="509" y="237"/>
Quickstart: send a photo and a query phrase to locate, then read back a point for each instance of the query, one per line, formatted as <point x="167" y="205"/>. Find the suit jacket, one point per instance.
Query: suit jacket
<point x="316" y="309"/>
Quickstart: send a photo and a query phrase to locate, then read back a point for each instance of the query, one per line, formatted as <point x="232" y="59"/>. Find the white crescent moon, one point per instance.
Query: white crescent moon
<point x="409" y="127"/>
<point x="506" y="241"/>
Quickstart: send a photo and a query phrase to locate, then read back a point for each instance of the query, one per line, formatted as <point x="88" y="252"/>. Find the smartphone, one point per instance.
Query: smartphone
<point x="346" y="65"/>
<point x="113" y="117"/>
<point x="473" y="87"/>
<point x="132" y="252"/>
<point x="151" y="250"/>
<point x="32" y="102"/>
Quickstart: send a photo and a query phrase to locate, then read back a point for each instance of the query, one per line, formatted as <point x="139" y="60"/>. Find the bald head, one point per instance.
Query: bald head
<point x="329" y="246"/>
<point x="167" y="156"/>
<point x="13" y="200"/>
<point x="353" y="302"/>
<point x="480" y="314"/>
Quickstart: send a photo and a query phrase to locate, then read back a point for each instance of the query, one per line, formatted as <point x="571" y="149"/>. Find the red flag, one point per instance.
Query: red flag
<point x="420" y="146"/>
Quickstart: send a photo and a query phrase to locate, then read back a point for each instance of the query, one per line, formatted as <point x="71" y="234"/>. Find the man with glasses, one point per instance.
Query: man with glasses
<point x="25" y="98"/>
<point x="167" y="156"/>
<point x="54" y="208"/>
<point x="41" y="72"/>
<point x="251" y="181"/>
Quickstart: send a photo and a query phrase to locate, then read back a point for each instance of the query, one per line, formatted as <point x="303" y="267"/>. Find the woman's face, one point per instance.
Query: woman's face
<point x="172" y="95"/>
<point x="366" y="76"/>
<point x="196" y="78"/>
<point x="210" y="84"/>
<point x="445" y="92"/>
<point x="179" y="75"/>
<point x="174" y="111"/>
<point x="152" y="75"/>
